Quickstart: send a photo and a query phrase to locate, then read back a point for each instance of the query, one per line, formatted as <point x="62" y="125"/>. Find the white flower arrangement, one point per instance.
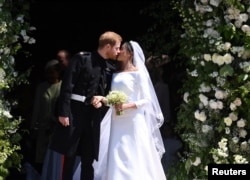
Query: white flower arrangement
<point x="216" y="92"/>
<point x="116" y="97"/>
<point x="14" y="32"/>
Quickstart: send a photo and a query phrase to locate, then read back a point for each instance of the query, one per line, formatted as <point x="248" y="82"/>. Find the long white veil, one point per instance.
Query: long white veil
<point x="153" y="113"/>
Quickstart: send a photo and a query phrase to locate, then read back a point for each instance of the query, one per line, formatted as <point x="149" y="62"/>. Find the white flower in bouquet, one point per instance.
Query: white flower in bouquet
<point x="116" y="97"/>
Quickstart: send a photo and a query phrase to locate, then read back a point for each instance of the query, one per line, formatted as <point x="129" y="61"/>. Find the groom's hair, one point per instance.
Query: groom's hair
<point x="109" y="37"/>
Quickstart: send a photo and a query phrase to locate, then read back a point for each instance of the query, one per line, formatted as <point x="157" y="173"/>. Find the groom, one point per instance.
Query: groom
<point x="78" y="130"/>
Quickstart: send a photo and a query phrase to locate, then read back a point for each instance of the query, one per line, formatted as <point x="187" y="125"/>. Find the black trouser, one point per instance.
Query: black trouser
<point x="86" y="149"/>
<point x="68" y="167"/>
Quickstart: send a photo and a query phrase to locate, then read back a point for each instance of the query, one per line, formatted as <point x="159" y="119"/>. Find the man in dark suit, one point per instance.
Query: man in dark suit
<point x="78" y="130"/>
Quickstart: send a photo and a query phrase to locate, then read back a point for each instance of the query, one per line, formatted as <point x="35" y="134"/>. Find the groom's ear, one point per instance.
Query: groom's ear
<point x="107" y="46"/>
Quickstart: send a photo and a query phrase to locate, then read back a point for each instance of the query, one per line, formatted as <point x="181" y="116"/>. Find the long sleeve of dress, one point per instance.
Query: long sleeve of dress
<point x="144" y="98"/>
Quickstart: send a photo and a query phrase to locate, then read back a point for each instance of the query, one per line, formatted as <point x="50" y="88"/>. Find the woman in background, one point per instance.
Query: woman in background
<point x="44" y="110"/>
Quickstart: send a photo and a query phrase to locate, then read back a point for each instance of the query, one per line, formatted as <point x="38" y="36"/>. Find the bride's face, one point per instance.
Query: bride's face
<point x="124" y="55"/>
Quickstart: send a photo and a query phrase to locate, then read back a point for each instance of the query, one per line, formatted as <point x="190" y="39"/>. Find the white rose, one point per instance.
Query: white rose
<point x="237" y="101"/>
<point x="203" y="99"/>
<point x="204" y="88"/>
<point x="243" y="145"/>
<point x="227" y="130"/>
<point x="215" y="2"/>
<point x="235" y="140"/>
<point x="185" y="97"/>
<point x="213" y="104"/>
<point x="227" y="46"/>
<point x="238" y="23"/>
<point x="243" y="133"/>
<point x="241" y="123"/>
<point x="207" y="57"/>
<point x="200" y="116"/>
<point x="209" y="23"/>
<point x="228" y="121"/>
<point x="227" y="58"/>
<point x="219" y="94"/>
<point x="243" y="17"/>
<point x="197" y="161"/>
<point x="233" y="116"/>
<point x="216" y="58"/>
<point x="220" y="105"/>
<point x="245" y="28"/>
<point x="7" y="114"/>
<point x="233" y="106"/>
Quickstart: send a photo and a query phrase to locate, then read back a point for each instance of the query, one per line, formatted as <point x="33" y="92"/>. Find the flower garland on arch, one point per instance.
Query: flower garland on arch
<point x="14" y="32"/>
<point x="213" y="119"/>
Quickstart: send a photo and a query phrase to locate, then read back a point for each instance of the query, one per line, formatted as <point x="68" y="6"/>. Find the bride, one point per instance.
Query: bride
<point x="131" y="145"/>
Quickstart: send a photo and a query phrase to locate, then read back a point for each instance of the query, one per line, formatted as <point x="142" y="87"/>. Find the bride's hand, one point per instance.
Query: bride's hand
<point x="121" y="107"/>
<point x="118" y="107"/>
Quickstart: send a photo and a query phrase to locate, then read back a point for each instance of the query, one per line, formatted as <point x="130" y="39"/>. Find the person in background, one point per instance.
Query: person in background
<point x="162" y="92"/>
<point x="44" y="110"/>
<point x="135" y="144"/>
<point x="63" y="56"/>
<point x="78" y="130"/>
<point x="173" y="145"/>
<point x="154" y="63"/>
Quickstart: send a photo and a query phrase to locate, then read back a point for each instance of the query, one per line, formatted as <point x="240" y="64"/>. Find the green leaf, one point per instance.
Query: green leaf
<point x="226" y="70"/>
<point x="242" y="77"/>
<point x="229" y="31"/>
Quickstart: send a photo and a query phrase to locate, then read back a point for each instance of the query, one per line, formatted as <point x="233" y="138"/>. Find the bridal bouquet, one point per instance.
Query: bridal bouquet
<point x="116" y="97"/>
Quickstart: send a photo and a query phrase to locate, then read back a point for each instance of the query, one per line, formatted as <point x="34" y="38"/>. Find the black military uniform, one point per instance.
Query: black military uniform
<point x="88" y="74"/>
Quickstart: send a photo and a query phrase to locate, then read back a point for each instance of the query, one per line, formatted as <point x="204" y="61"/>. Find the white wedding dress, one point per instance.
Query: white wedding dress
<point x="132" y="154"/>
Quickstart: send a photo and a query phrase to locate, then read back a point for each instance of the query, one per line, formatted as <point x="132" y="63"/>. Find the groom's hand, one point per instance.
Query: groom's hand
<point x="64" y="121"/>
<point x="97" y="101"/>
<point x="97" y="105"/>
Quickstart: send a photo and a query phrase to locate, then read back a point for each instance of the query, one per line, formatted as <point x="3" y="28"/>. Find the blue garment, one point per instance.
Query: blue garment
<point x="172" y="146"/>
<point x="53" y="166"/>
<point x="31" y="172"/>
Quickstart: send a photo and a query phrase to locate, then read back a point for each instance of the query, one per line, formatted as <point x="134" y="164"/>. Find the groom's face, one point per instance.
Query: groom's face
<point x="114" y="51"/>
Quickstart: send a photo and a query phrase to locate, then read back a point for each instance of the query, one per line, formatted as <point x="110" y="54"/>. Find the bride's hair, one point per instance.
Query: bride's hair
<point x="129" y="47"/>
